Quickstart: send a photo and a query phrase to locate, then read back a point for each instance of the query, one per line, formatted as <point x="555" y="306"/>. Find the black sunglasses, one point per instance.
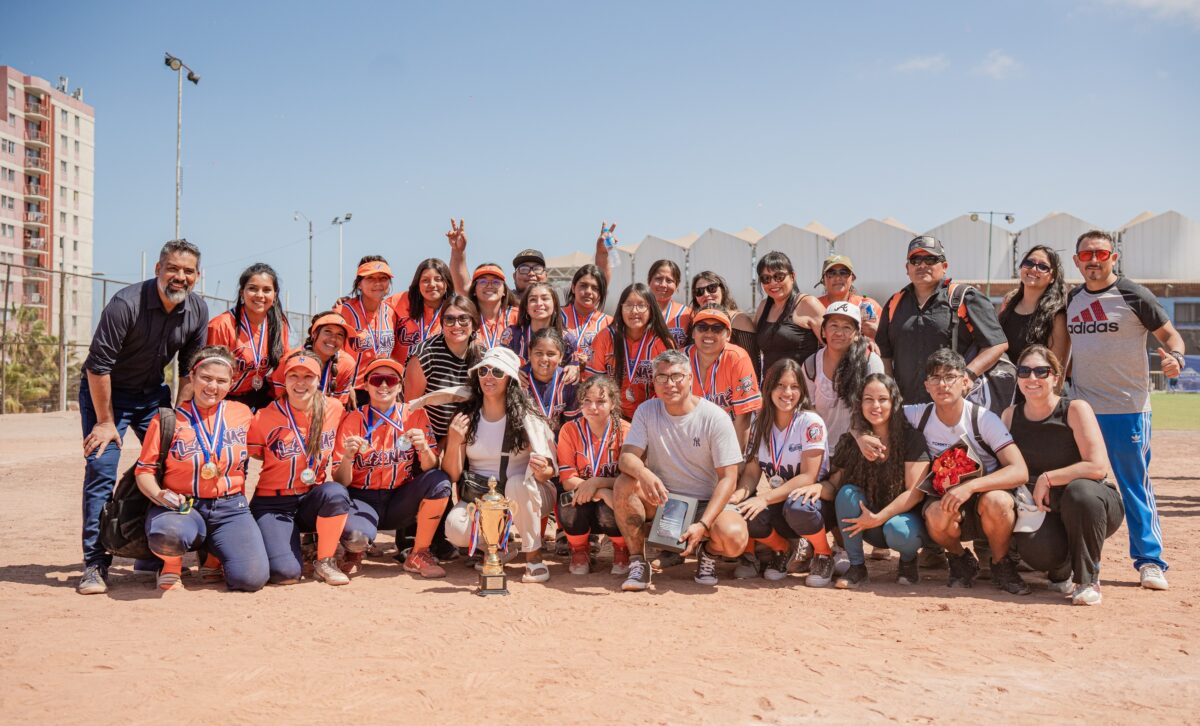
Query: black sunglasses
<point x="1039" y="372"/>
<point x="917" y="260"/>
<point x="1035" y="265"/>
<point x="708" y="327"/>
<point x="706" y="289"/>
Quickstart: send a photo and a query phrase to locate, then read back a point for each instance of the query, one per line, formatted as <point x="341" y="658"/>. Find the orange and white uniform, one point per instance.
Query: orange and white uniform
<point x="278" y="434"/>
<point x="225" y="426"/>
<point x="679" y="321"/>
<point x="491" y="331"/>
<point x="339" y="388"/>
<point x="580" y="330"/>
<point x="637" y="385"/>
<point x="249" y="346"/>
<point x="375" y="335"/>
<point x="386" y="465"/>
<point x="729" y="382"/>
<point x="583" y="454"/>
<point x="410" y="331"/>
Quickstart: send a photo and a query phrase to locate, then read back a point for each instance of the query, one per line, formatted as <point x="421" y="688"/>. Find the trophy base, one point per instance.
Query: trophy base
<point x="492" y="585"/>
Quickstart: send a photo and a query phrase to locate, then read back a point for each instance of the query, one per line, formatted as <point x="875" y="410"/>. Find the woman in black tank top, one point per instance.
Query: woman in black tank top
<point x="1035" y="312"/>
<point x="792" y="332"/>
<point x="1068" y="473"/>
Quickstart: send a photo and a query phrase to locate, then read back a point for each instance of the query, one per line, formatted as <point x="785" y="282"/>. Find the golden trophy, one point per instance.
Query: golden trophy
<point x="492" y="520"/>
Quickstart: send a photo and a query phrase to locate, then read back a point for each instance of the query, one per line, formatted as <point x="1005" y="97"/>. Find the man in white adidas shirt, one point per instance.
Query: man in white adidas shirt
<point x="1108" y="318"/>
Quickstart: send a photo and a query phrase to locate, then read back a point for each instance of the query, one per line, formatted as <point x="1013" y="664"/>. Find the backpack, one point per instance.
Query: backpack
<point x="123" y="518"/>
<point x="996" y="388"/>
<point x="975" y="435"/>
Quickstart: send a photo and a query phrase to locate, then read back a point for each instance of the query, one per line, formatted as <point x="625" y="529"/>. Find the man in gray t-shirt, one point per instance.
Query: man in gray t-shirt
<point x="679" y="443"/>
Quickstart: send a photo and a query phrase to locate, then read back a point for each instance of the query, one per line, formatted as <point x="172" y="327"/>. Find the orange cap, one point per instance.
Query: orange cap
<point x="384" y="363"/>
<point x="492" y="270"/>
<point x="333" y="319"/>
<point x="711" y="314"/>
<point x="304" y="360"/>
<point x="376" y="267"/>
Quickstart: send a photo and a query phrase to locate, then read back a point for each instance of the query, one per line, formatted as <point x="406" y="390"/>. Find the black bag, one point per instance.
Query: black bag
<point x="123" y="518"/>
<point x="472" y="486"/>
<point x="997" y="388"/>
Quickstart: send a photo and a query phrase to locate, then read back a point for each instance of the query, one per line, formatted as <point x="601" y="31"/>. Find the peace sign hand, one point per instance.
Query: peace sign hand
<point x="456" y="236"/>
<point x="606" y="235"/>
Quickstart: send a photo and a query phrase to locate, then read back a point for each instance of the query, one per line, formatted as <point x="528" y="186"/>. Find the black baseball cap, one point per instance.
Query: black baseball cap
<point x="529" y="255"/>
<point x="929" y="245"/>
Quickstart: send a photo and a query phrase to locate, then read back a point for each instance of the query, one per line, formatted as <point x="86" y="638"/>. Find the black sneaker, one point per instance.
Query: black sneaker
<point x="932" y="557"/>
<point x="801" y="559"/>
<point x="1005" y="577"/>
<point x="638" y="578"/>
<point x="855" y="576"/>
<point x="963" y="569"/>
<point x="909" y="573"/>
<point x="444" y="551"/>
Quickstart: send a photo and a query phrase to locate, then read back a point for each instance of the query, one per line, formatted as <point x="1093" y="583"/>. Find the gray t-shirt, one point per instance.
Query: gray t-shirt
<point x="685" y="451"/>
<point x="1108" y="330"/>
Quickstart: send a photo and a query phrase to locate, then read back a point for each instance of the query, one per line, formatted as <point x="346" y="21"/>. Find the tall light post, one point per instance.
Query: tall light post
<point x="339" y="221"/>
<point x="1008" y="217"/>
<point x="296" y="218"/>
<point x="178" y="66"/>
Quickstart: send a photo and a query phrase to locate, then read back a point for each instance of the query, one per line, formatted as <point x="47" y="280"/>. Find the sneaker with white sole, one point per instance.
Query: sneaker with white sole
<point x="638" y="578"/>
<point x="820" y="574"/>
<point x="168" y="580"/>
<point x="841" y="561"/>
<point x="746" y="568"/>
<point x="326" y="570"/>
<point x="1153" y="577"/>
<point x="706" y="567"/>
<point x="1087" y="595"/>
<point x="1065" y="587"/>
<point x="801" y="557"/>
<point x="581" y="561"/>
<point x="776" y="569"/>
<point x="94" y="581"/>
<point x="620" y="561"/>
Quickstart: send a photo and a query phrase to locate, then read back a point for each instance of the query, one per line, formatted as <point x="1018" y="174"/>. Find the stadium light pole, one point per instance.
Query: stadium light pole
<point x="1008" y="217"/>
<point x="178" y="66"/>
<point x="340" y="221"/>
<point x="296" y="218"/>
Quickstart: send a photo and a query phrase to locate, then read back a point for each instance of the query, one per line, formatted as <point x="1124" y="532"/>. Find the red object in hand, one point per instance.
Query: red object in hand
<point x="951" y="467"/>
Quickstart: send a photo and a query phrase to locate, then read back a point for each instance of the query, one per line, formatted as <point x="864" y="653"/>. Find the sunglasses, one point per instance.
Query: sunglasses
<point x="709" y="327"/>
<point x="1035" y="265"/>
<point x="930" y="260"/>
<point x="768" y="278"/>
<point x="712" y="289"/>
<point x="382" y="380"/>
<point x="1039" y="372"/>
<point x="491" y="372"/>
<point x="837" y="272"/>
<point x="1098" y="255"/>
<point x="460" y="321"/>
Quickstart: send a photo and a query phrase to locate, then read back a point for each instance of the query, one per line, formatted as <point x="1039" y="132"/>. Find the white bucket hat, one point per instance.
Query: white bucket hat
<point x="501" y="358"/>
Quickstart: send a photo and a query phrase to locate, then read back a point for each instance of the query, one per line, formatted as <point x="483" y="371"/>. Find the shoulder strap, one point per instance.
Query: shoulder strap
<point x="502" y="479"/>
<point x="892" y="305"/>
<point x="925" y="418"/>
<point x="983" y="445"/>
<point x="810" y="367"/>
<point x="166" y="434"/>
<point x="958" y="310"/>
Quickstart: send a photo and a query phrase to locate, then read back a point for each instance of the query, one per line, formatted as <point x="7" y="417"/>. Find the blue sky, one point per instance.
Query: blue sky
<point x="536" y="120"/>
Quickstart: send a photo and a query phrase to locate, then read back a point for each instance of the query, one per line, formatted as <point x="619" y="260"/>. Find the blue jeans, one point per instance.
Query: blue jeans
<point x="224" y="526"/>
<point x="100" y="473"/>
<point x="1127" y="438"/>
<point x="904" y="532"/>
<point x="282" y="518"/>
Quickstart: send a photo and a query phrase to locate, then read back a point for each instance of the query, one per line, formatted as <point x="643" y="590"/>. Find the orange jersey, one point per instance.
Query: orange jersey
<point x="868" y="309"/>
<point x="273" y="440"/>
<point x="340" y="386"/>
<point x="580" y="330"/>
<point x="637" y="384"/>
<point x="235" y="335"/>
<point x="376" y="335"/>
<point x="730" y="382"/>
<point x="581" y="452"/>
<point x="409" y="331"/>
<point x="679" y="320"/>
<point x="185" y="458"/>
<point x="490" y="331"/>
<point x="384" y="466"/>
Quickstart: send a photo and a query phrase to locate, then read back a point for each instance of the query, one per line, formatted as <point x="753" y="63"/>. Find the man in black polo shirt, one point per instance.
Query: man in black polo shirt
<point x="920" y="323"/>
<point x="140" y="331"/>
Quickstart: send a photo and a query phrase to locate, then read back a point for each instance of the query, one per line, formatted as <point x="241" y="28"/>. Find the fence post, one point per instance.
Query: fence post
<point x="62" y="337"/>
<point x="4" y="351"/>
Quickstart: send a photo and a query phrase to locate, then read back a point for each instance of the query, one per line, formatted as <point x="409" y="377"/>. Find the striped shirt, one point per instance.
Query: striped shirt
<point x="442" y="369"/>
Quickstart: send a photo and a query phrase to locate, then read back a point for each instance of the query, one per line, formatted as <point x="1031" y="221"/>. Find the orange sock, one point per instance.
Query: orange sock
<point x="545" y="521"/>
<point x="578" y="541"/>
<point x="211" y="561"/>
<point x="428" y="515"/>
<point x="749" y="548"/>
<point x="329" y="531"/>
<point x="619" y="543"/>
<point x="776" y="542"/>
<point x="820" y="543"/>
<point x="171" y="565"/>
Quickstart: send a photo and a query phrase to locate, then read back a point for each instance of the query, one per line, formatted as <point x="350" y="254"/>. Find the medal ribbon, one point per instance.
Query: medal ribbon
<point x="777" y="451"/>
<point x="374" y="335"/>
<point x="424" y="329"/>
<point x="210" y="444"/>
<point x="325" y="372"/>
<point x="712" y="375"/>
<point x="554" y="391"/>
<point x="286" y="408"/>
<point x="574" y="325"/>
<point x="384" y="417"/>
<point x="255" y="347"/>
<point x="492" y="338"/>
<point x="594" y="455"/>
<point x="631" y="363"/>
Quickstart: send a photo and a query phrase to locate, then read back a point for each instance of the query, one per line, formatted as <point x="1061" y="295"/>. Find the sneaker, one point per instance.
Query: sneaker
<point x="853" y="577"/>
<point x="1062" y="587"/>
<point x="841" y="561"/>
<point x="639" y="575"/>
<point x="506" y="556"/>
<point x="168" y="580"/>
<point x="1153" y="578"/>
<point x="581" y="561"/>
<point x="561" y="547"/>
<point x="963" y="569"/>
<point x="746" y="567"/>
<point x="620" y="562"/>
<point x="423" y="563"/>
<point x="351" y="561"/>
<point x="706" y="567"/>
<point x="880" y="553"/>
<point x="535" y="572"/>
<point x="210" y="575"/>
<point x="326" y="570"/>
<point x="444" y="551"/>
<point x="820" y="573"/>
<point x="932" y="557"/>
<point x="777" y="568"/>
<point x="667" y="559"/>
<point x="909" y="573"/>
<point x="801" y="557"/>
<point x="94" y="581"/>
<point x="1005" y="577"/>
<point x="1087" y="595"/>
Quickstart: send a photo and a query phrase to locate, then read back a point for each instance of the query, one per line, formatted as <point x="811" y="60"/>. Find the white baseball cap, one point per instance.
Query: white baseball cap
<point x="844" y="308"/>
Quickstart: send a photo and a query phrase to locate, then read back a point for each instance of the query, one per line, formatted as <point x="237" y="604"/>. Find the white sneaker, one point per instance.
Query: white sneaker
<point x="841" y="561"/>
<point x="1153" y="578"/>
<point x="1065" y="587"/>
<point x="1089" y="595"/>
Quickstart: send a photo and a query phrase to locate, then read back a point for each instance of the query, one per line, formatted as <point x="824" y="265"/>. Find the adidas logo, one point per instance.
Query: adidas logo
<point x="1092" y="320"/>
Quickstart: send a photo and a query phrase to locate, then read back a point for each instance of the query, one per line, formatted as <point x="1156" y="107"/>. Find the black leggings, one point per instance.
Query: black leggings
<point x="1082" y="515"/>
<point x="591" y="518"/>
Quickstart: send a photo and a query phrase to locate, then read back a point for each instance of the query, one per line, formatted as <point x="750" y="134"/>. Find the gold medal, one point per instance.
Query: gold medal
<point x="209" y="471"/>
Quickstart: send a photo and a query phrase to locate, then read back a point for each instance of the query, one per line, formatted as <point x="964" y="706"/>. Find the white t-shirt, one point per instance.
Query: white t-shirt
<point x="808" y="433"/>
<point x="685" y="451"/>
<point x="483" y="456"/>
<point x="833" y="411"/>
<point x="939" y="436"/>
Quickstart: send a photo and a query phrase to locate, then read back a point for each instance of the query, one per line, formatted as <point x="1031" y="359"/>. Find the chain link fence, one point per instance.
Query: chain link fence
<point x="46" y="327"/>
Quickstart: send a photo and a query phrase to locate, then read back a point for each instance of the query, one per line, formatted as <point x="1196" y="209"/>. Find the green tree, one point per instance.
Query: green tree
<point x="30" y="354"/>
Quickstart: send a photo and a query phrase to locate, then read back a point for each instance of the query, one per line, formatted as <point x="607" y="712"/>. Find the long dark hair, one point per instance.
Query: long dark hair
<point x="657" y="326"/>
<point x="893" y="466"/>
<point x="275" y="341"/>
<point x="777" y="260"/>
<point x="851" y="370"/>
<point x="358" y="278"/>
<point x="416" y="303"/>
<point x="454" y="300"/>
<point x="727" y="300"/>
<point x="316" y="414"/>
<point x="1052" y="302"/>
<point x="517" y="405"/>
<point x="765" y="418"/>
<point x="523" y="318"/>
<point x="589" y="270"/>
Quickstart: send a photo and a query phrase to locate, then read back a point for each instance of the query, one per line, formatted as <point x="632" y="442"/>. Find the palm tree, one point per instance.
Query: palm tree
<point x="30" y="354"/>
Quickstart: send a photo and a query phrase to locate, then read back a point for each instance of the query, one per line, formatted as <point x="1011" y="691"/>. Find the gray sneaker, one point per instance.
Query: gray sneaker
<point x="638" y="578"/>
<point x="820" y="574"/>
<point x="801" y="557"/>
<point x="1087" y="595"/>
<point x="94" y="581"/>
<point x="706" y="567"/>
<point x="327" y="571"/>
<point x="746" y="568"/>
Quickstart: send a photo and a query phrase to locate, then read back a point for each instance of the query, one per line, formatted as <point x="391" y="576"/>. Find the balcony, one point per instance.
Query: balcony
<point x="37" y="164"/>
<point x="36" y="138"/>
<point x="37" y="274"/>
<point x="37" y="219"/>
<point x="33" y="108"/>
<point x="34" y="299"/>
<point x="35" y="243"/>
<point x="36" y="190"/>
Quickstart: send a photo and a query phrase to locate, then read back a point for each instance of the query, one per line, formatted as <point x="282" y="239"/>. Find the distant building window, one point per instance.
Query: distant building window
<point x="62" y="115"/>
<point x="76" y="148"/>
<point x="1187" y="312"/>
<point x="76" y="123"/>
<point x="75" y="245"/>
<point x="12" y="93"/>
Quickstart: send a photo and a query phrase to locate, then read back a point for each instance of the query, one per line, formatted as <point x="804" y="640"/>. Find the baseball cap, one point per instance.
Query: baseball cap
<point x="844" y="308"/>
<point x="714" y="314"/>
<point x="384" y="363"/>
<point x="303" y="360"/>
<point x="375" y="267"/>
<point x="929" y="245"/>
<point x="834" y="261"/>
<point x="493" y="270"/>
<point x="529" y="255"/>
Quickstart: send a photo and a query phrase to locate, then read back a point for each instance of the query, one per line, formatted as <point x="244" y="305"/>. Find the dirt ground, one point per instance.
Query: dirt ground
<point x="393" y="648"/>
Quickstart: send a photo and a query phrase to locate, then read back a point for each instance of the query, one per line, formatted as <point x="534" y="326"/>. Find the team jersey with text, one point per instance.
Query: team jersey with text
<point x="273" y="439"/>
<point x="679" y="320"/>
<point x="579" y="447"/>
<point x="409" y="330"/>
<point x="490" y="331"/>
<point x="637" y="384"/>
<point x="384" y="465"/>
<point x="580" y="329"/>
<point x="230" y="421"/>
<point x="729" y="382"/>
<point x="554" y="399"/>
<point x="779" y="453"/>
<point x="376" y="337"/>
<point x="244" y="341"/>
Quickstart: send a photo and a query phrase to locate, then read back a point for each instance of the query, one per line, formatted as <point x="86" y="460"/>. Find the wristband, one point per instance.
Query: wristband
<point x="702" y="523"/>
